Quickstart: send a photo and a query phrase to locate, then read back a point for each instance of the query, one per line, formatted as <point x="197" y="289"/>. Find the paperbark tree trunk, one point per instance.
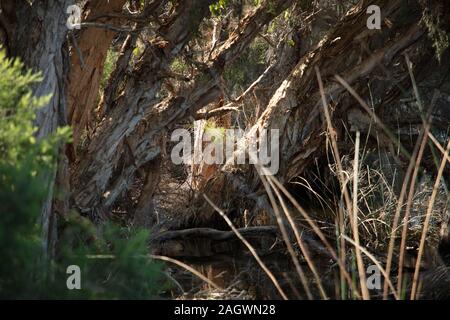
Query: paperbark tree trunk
<point x="86" y="64"/>
<point x="350" y="50"/>
<point x="131" y="136"/>
<point x="37" y="34"/>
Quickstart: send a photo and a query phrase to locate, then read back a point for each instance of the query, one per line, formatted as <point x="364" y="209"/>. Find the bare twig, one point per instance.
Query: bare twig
<point x="77" y="48"/>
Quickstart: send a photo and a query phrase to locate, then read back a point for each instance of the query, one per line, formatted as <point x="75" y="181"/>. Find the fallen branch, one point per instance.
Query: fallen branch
<point x="214" y="234"/>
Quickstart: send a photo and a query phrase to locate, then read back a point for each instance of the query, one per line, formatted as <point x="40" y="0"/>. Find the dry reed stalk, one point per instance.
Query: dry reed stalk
<point x="359" y="260"/>
<point x="427" y="222"/>
<point x="285" y="236"/>
<point x="302" y="247"/>
<point x="423" y="137"/>
<point x="404" y="185"/>
<point x="249" y="246"/>
<point x="332" y="135"/>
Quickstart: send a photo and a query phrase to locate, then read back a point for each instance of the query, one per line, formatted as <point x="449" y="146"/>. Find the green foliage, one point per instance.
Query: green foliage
<point x="216" y="133"/>
<point x="114" y="265"/>
<point x="218" y="7"/>
<point x="248" y="66"/>
<point x="17" y="111"/>
<point x="179" y="66"/>
<point x="108" y="67"/>
<point x="291" y="42"/>
<point x="272" y="7"/>
<point x="24" y="165"/>
<point x="435" y="21"/>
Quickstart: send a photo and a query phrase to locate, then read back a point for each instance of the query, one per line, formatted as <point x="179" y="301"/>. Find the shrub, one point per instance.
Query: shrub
<point x="114" y="264"/>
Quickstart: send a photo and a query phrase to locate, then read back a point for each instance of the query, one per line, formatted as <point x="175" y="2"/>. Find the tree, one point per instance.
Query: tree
<point x="25" y="273"/>
<point x="39" y="43"/>
<point x="261" y="64"/>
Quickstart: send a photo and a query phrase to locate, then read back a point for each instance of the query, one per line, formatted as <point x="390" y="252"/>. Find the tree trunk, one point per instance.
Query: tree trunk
<point x="349" y="50"/>
<point x="86" y="64"/>
<point x="37" y="33"/>
<point x="131" y="135"/>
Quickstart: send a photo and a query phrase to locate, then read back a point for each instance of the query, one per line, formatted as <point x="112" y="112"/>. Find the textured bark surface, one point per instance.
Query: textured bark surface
<point x="169" y="73"/>
<point x="37" y="36"/>
<point x="131" y="135"/>
<point x="287" y="55"/>
<point x="144" y="215"/>
<point x="296" y="110"/>
<point x="110" y="147"/>
<point x="86" y="69"/>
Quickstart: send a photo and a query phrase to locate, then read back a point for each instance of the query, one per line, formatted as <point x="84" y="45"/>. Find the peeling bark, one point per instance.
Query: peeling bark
<point x="37" y="37"/>
<point x="110" y="148"/>
<point x="295" y="108"/>
<point x="86" y="70"/>
<point x="144" y="215"/>
<point x="138" y="119"/>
